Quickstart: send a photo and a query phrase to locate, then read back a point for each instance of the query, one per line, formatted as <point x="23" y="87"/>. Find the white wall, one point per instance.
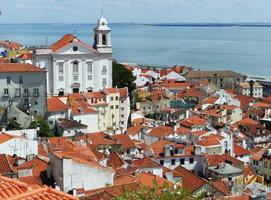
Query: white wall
<point x="91" y="120"/>
<point x="19" y="146"/>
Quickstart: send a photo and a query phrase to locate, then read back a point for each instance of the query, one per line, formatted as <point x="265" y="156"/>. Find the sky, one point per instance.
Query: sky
<point x="137" y="11"/>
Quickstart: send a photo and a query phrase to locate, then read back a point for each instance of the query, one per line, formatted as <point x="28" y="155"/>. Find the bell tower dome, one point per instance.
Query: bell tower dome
<point x="102" y="36"/>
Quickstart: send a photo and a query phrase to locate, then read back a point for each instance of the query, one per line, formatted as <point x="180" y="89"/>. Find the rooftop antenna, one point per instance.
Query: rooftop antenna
<point x="102" y="12"/>
<point x="74" y="32"/>
<point x="46" y="40"/>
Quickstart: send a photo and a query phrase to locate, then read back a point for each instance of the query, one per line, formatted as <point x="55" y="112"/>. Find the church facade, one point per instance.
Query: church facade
<point x="73" y="66"/>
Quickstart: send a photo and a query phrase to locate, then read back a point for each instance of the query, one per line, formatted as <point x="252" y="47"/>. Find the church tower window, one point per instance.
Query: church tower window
<point x="104" y="39"/>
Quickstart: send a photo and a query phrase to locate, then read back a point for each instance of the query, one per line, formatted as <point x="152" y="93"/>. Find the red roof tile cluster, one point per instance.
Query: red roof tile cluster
<point x="161" y="131"/>
<point x="115" y="161"/>
<point x="67" y="39"/>
<point x="19" y="68"/>
<point x="54" y="104"/>
<point x="213" y="160"/>
<point x="124" y="140"/>
<point x="25" y="56"/>
<point x="192" y="121"/>
<point x="146" y="163"/>
<point x="11" y="45"/>
<point x="240" y="151"/>
<point x="208" y="142"/>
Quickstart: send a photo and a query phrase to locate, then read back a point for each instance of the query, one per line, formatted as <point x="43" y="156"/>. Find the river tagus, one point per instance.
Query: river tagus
<point x="246" y="49"/>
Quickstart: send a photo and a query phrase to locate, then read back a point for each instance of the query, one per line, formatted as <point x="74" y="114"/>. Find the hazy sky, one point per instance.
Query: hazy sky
<point x="147" y="11"/>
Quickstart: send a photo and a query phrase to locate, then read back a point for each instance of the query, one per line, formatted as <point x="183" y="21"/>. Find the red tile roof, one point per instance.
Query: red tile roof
<point x="25" y="56"/>
<point x="115" y="161"/>
<point x="19" y="68"/>
<point x="222" y="186"/>
<point x="124" y="140"/>
<point x="134" y="130"/>
<point x="54" y="104"/>
<point x="148" y="180"/>
<point x="194" y="120"/>
<point x="208" y="142"/>
<point x="146" y="163"/>
<point x="190" y="181"/>
<point x="161" y="131"/>
<point x="213" y="160"/>
<point x="5" y="137"/>
<point x="240" y="151"/>
<point x="37" y="165"/>
<point x="5" y="168"/>
<point x="67" y="39"/>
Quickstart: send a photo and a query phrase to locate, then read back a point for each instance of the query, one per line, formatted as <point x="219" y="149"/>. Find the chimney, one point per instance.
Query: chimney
<point x="74" y="193"/>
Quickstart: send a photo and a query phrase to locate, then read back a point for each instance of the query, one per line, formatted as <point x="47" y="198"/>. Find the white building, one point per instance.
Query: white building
<point x="17" y="145"/>
<point x="73" y="171"/>
<point x="244" y="89"/>
<point x="74" y="66"/>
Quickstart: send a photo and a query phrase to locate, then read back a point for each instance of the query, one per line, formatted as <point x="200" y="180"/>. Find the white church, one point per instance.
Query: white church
<point x="73" y="66"/>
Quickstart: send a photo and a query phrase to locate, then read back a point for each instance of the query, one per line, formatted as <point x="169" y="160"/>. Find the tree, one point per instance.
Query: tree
<point x="13" y="125"/>
<point x="44" y="129"/>
<point x="155" y="193"/>
<point x="123" y="77"/>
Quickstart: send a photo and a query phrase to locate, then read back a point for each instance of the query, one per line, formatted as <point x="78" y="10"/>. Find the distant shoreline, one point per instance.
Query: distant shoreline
<point x="256" y="24"/>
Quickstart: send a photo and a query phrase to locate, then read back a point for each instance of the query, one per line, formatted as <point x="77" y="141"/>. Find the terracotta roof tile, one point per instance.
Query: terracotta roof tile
<point x="124" y="140"/>
<point x="67" y="39"/>
<point x="146" y="163"/>
<point x="240" y="151"/>
<point x="115" y="161"/>
<point x="208" y="142"/>
<point x="213" y="160"/>
<point x="54" y="104"/>
<point x="19" y="68"/>
<point x="161" y="131"/>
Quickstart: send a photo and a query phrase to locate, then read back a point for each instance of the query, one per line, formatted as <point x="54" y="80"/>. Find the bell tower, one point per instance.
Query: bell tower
<point x="102" y="36"/>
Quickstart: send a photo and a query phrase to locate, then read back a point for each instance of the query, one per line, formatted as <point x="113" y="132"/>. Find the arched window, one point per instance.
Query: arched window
<point x="104" y="39"/>
<point x="75" y="68"/>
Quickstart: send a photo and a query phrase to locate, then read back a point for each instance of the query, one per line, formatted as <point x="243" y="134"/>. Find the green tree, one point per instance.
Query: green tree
<point x="123" y="77"/>
<point x="13" y="125"/>
<point x="155" y="193"/>
<point x="44" y="129"/>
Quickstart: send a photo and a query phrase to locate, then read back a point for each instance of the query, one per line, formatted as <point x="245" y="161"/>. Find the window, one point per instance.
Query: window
<point x="111" y="98"/>
<point x="8" y="80"/>
<point x="89" y="64"/>
<point x="75" y="68"/>
<point x="61" y="93"/>
<point x="89" y="77"/>
<point x="20" y="79"/>
<point x="60" y="78"/>
<point x="104" y="39"/>
<point x="191" y="160"/>
<point x="116" y="107"/>
<point x="122" y="109"/>
<point x="111" y="107"/>
<point x="17" y="92"/>
<point x="36" y="92"/>
<point x="75" y="48"/>
<point x="182" y="161"/>
<point x="117" y="98"/>
<point x="26" y="102"/>
<point x="5" y="92"/>
<point x="173" y="161"/>
<point x="75" y="78"/>
<point x="122" y="116"/>
<point x="104" y="71"/>
<point x="104" y="82"/>
<point x="60" y="68"/>
<point x="161" y="162"/>
<point x="26" y="93"/>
